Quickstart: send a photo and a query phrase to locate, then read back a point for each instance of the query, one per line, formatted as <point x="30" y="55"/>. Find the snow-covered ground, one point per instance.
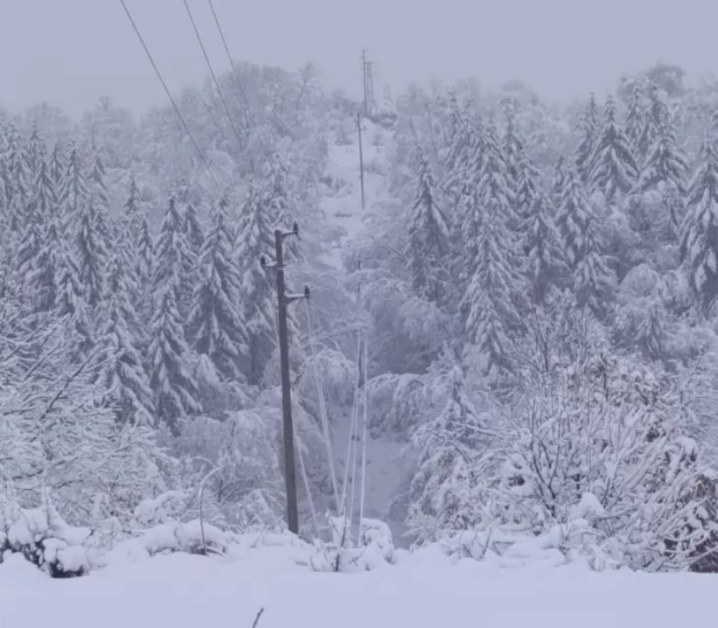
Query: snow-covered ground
<point x="423" y="590"/>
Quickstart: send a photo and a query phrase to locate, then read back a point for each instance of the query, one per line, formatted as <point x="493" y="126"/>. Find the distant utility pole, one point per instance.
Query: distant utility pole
<point x="283" y="300"/>
<point x="365" y="104"/>
<point x="368" y="85"/>
<point x="361" y="159"/>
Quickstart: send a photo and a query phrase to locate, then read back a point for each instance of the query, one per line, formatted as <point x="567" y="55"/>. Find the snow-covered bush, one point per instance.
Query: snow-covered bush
<point x="337" y="375"/>
<point x="44" y="539"/>
<point x="396" y="401"/>
<point x="445" y="491"/>
<point x="57" y="434"/>
<point x="166" y="507"/>
<point x="246" y="487"/>
<point x="374" y="548"/>
<point x="193" y="537"/>
<point x="604" y="442"/>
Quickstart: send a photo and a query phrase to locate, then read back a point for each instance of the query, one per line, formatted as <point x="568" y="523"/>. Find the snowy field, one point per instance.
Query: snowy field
<point x="423" y="590"/>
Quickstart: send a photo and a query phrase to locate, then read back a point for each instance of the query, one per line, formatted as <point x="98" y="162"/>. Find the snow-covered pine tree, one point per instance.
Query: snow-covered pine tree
<point x="193" y="231"/>
<point x="91" y="250"/>
<point x="20" y="182"/>
<point x="528" y="189"/>
<point x="572" y="216"/>
<point x="216" y="327"/>
<point x="463" y="154"/>
<point x="145" y="253"/>
<point x="277" y="200"/>
<point x="4" y="192"/>
<point x="132" y="214"/>
<point x="100" y="196"/>
<point x="144" y="269"/>
<point x="255" y="239"/>
<point x="193" y="237"/>
<point x="443" y="491"/>
<point x="655" y="118"/>
<point x="42" y="276"/>
<point x="24" y="264"/>
<point x="545" y="259"/>
<point x="33" y="263"/>
<point x="170" y="379"/>
<point x="458" y="188"/>
<point x="558" y="180"/>
<point x="128" y="244"/>
<point x="489" y="302"/>
<point x="635" y="121"/>
<point x="428" y="238"/>
<point x="5" y="183"/>
<point x="699" y="240"/>
<point x="664" y="173"/>
<point x="275" y="190"/>
<point x="35" y="154"/>
<point x="44" y="193"/>
<point x="491" y="317"/>
<point x="651" y="334"/>
<point x="121" y="372"/>
<point x="581" y="242"/>
<point x="74" y="191"/>
<point x="58" y="167"/>
<point x="588" y="129"/>
<point x="614" y="171"/>
<point x="453" y="129"/>
<point x="521" y="173"/>
<point x="70" y="305"/>
<point x="594" y="281"/>
<point x="494" y="182"/>
<point x="172" y="259"/>
<point x="512" y="146"/>
<point x="642" y="320"/>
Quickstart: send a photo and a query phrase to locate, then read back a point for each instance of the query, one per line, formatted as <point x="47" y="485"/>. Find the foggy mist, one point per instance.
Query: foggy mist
<point x="83" y="49"/>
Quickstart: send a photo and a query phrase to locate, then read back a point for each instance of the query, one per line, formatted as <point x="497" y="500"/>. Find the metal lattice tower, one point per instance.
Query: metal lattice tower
<point x="369" y="103"/>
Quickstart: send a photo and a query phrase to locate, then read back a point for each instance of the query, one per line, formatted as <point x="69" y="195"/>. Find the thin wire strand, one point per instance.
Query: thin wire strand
<point x="235" y="72"/>
<point x="169" y="94"/>
<point x="322" y="407"/>
<point x="213" y="75"/>
<point x="364" y="435"/>
<point x="308" y="489"/>
<point x="237" y="79"/>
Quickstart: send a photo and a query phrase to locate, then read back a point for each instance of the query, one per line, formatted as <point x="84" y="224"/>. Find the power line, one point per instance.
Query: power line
<point x="169" y="94"/>
<point x="237" y="79"/>
<point x="212" y="74"/>
<point x="235" y="72"/>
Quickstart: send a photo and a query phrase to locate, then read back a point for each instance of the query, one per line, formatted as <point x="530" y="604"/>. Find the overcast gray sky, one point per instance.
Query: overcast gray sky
<point x="70" y="52"/>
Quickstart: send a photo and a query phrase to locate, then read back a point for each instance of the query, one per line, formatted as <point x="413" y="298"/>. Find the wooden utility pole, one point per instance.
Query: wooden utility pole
<point x="283" y="301"/>
<point x="365" y="106"/>
<point x="361" y="159"/>
<point x="290" y="478"/>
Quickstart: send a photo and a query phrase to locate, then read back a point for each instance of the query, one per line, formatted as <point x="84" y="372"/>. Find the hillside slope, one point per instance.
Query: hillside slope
<point x="387" y="460"/>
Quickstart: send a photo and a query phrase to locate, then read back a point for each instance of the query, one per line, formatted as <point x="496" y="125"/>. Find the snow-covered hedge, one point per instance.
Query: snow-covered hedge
<point x="193" y="537"/>
<point x="45" y="539"/>
<point x="593" y="461"/>
<point x="374" y="549"/>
